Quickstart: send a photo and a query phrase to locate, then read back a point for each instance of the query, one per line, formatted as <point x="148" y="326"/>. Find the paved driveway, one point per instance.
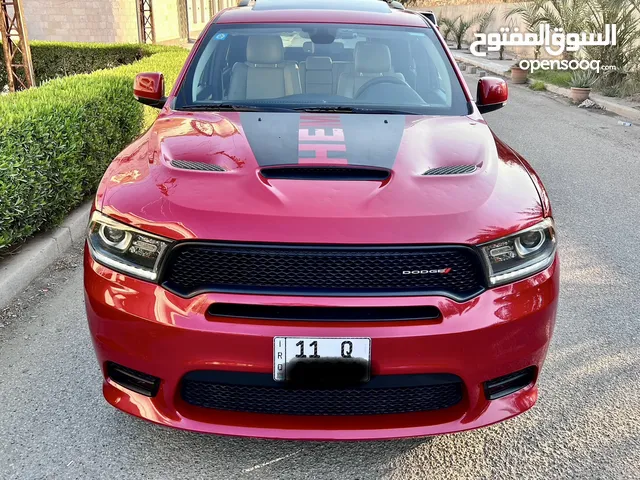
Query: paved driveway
<point x="55" y="424"/>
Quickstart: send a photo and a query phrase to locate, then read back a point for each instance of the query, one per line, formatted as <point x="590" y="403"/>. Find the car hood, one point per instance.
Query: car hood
<point x="144" y="186"/>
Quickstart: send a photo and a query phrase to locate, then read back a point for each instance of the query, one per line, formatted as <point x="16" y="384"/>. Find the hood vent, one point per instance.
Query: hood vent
<point x="189" y="165"/>
<point x="326" y="173"/>
<point x="452" y="170"/>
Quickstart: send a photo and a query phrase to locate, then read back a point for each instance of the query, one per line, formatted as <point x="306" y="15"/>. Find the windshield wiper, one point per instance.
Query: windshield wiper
<point x="327" y="109"/>
<point x="232" y="107"/>
<point x="238" y="107"/>
<point x="373" y="110"/>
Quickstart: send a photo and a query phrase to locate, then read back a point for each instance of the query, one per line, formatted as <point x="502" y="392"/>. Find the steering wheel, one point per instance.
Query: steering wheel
<point x="378" y="80"/>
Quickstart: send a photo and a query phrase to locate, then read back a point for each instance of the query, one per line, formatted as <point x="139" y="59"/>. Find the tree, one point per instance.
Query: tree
<point x="570" y="15"/>
<point x="484" y="19"/>
<point x="458" y="28"/>
<point x="625" y="55"/>
<point x="531" y="15"/>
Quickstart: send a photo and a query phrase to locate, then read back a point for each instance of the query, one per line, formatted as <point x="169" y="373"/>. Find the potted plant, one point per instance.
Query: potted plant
<point x="518" y="75"/>
<point x="581" y="83"/>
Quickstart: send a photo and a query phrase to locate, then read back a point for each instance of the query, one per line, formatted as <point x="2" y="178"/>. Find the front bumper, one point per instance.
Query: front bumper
<point x="144" y="327"/>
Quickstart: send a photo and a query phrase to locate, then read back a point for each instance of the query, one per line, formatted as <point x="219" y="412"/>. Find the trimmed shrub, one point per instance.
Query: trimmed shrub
<point x="57" y="140"/>
<point x="61" y="59"/>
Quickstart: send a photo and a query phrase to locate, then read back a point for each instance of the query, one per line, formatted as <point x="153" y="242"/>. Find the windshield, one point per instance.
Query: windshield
<point x="318" y="67"/>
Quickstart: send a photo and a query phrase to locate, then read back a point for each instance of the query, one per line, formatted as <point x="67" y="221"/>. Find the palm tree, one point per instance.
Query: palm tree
<point x="531" y="15"/>
<point x="445" y="27"/>
<point x="484" y="19"/>
<point x="626" y="53"/>
<point x="458" y="28"/>
<point x="570" y="15"/>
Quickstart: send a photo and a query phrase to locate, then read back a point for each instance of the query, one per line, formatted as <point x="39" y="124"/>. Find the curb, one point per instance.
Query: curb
<point x="480" y="65"/>
<point x="622" y="110"/>
<point x="18" y="271"/>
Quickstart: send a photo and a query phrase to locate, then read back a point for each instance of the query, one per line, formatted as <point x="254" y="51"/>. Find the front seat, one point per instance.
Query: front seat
<point x="371" y="60"/>
<point x="265" y="74"/>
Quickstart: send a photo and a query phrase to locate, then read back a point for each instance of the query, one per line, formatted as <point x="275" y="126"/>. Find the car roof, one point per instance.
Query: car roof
<point x="368" y="12"/>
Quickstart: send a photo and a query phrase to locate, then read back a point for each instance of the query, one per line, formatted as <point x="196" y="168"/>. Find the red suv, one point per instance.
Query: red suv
<point x="320" y="237"/>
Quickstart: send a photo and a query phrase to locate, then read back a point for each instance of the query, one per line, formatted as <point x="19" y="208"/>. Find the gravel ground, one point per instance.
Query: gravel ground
<point x="55" y="424"/>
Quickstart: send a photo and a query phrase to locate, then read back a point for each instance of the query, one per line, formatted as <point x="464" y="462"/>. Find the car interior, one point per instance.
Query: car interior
<point x="398" y="69"/>
<point x="269" y="71"/>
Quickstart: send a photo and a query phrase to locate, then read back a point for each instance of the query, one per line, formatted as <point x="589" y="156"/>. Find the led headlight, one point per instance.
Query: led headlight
<point x="124" y="248"/>
<point x="520" y="255"/>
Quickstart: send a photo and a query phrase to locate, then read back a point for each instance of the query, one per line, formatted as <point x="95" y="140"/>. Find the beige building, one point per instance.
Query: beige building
<point x="117" y="21"/>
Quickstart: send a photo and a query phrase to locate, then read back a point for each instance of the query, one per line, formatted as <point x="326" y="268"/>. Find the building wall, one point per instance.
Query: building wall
<point x="125" y="17"/>
<point x="70" y="20"/>
<point x="165" y="20"/>
<point x="439" y="3"/>
<point x="109" y="21"/>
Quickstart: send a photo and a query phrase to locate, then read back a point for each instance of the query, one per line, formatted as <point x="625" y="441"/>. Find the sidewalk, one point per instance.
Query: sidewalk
<point x="493" y="65"/>
<point x="18" y="270"/>
<point x="619" y="106"/>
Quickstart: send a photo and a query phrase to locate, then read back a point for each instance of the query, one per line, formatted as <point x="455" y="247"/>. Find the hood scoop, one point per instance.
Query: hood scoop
<point x="302" y="172"/>
<point x="452" y="170"/>
<point x="189" y="165"/>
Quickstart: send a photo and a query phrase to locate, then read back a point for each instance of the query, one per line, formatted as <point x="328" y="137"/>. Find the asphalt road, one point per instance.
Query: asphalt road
<point x="55" y="424"/>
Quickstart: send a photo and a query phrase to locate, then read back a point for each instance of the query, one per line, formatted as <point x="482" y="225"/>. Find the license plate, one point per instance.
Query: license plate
<point x="289" y="350"/>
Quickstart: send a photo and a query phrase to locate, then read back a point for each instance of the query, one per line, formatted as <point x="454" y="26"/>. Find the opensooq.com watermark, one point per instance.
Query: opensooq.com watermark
<point x="594" y="65"/>
<point x="554" y="41"/>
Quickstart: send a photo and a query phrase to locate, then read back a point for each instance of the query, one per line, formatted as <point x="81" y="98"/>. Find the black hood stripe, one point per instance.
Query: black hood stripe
<point x="354" y="139"/>
<point x="273" y="137"/>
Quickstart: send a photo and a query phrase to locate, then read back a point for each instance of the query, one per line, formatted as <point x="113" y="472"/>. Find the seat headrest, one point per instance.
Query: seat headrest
<point x="319" y="63"/>
<point x="266" y="49"/>
<point x="308" y="47"/>
<point x="372" y="58"/>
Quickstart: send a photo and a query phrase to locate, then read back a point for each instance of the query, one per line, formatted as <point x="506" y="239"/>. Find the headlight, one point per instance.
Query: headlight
<point x="520" y="255"/>
<point x="125" y="248"/>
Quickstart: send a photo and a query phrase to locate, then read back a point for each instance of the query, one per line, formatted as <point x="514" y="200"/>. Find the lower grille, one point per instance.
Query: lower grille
<point x="259" y="393"/>
<point x="321" y="270"/>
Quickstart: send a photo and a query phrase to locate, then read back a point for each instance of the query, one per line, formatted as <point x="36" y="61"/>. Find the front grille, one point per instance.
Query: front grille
<point x="276" y="269"/>
<point x="323" y="314"/>
<point x="259" y="393"/>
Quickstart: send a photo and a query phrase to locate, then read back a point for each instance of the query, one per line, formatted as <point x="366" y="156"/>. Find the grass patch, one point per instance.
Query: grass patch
<point x="554" y="77"/>
<point x="537" y="85"/>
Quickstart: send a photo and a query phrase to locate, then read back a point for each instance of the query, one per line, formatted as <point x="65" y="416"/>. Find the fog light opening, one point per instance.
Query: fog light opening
<point x="508" y="384"/>
<point x="134" y="380"/>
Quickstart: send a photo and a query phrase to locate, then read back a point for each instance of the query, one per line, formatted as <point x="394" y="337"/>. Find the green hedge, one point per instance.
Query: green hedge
<point x="56" y="140"/>
<point x="61" y="59"/>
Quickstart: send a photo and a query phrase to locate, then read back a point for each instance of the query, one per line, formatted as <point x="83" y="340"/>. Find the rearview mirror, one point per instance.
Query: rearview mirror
<point x="148" y="88"/>
<point x="492" y="94"/>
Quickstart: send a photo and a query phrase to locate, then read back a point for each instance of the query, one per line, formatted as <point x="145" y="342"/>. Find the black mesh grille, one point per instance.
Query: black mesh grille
<point x="415" y="393"/>
<point x="451" y="170"/>
<point x="315" y="270"/>
<point x="189" y="165"/>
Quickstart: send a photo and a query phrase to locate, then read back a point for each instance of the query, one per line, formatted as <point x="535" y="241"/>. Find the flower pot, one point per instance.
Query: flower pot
<point x="579" y="95"/>
<point x="518" y="75"/>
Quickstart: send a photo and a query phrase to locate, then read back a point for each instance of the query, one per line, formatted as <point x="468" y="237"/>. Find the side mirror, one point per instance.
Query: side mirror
<point x="492" y="94"/>
<point x="148" y="88"/>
